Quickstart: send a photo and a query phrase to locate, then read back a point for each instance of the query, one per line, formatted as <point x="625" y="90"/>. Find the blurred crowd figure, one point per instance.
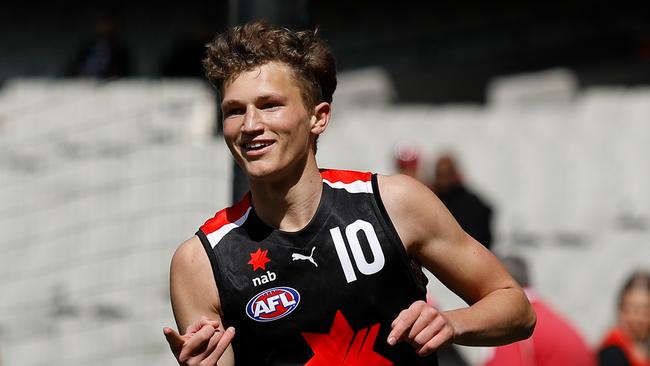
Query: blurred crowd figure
<point x="555" y="342"/>
<point x="104" y="56"/>
<point x="628" y="343"/>
<point x="407" y="159"/>
<point x="472" y="213"/>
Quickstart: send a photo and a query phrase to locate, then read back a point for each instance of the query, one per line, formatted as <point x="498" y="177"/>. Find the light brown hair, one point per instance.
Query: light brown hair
<point x="246" y="47"/>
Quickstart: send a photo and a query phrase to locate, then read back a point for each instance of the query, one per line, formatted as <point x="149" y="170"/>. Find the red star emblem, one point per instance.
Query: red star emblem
<point x="259" y="259"/>
<point x="342" y="346"/>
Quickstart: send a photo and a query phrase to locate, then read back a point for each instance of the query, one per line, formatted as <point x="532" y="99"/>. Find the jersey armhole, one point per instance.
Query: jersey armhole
<point x="213" y="264"/>
<point x="414" y="268"/>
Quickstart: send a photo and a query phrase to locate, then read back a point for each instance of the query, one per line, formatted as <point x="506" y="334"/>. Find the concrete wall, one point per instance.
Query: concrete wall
<point x="99" y="185"/>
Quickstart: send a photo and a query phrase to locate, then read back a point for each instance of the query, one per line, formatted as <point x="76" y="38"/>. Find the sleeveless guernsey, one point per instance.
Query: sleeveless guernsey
<point x="325" y="295"/>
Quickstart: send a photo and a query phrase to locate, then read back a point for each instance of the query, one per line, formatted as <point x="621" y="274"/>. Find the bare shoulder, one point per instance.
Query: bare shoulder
<point x="401" y="191"/>
<point x="192" y="287"/>
<point x="190" y="262"/>
<point x="190" y="252"/>
<point x="416" y="212"/>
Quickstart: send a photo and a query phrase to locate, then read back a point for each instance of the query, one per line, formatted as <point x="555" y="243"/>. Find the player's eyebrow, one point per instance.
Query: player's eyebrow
<point x="261" y="98"/>
<point x="271" y="96"/>
<point x="229" y="103"/>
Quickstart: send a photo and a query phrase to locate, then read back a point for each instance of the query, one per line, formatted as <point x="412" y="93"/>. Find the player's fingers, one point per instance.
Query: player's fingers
<point x="174" y="339"/>
<point x="222" y="345"/>
<point x="193" y="328"/>
<point x="403" y="322"/>
<point x="203" y="320"/>
<point x="400" y="326"/>
<point x="414" y="309"/>
<point x="442" y="337"/>
<point x="199" y="359"/>
<point x="427" y="333"/>
<point x="214" y="323"/>
<point x="196" y="343"/>
<point x="427" y="315"/>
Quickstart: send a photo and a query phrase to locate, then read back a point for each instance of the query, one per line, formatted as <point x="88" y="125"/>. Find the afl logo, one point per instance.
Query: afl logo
<point x="272" y="304"/>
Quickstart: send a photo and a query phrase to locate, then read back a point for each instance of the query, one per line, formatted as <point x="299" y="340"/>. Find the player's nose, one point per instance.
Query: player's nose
<point x="252" y="121"/>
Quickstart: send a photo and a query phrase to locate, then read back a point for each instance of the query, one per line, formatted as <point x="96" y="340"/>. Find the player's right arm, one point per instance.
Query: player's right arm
<point x="197" y="310"/>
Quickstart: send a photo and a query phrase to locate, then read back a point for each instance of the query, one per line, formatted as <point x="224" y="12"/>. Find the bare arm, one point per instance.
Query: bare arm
<point x="197" y="310"/>
<point x="499" y="311"/>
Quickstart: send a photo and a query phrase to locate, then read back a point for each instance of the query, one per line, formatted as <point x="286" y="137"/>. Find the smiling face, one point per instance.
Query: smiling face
<point x="266" y="125"/>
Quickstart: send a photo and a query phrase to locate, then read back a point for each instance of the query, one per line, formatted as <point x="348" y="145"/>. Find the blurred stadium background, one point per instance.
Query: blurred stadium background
<point x="545" y="104"/>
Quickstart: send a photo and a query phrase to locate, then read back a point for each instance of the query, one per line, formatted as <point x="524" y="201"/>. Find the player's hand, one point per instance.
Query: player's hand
<point x="424" y="327"/>
<point x="203" y="343"/>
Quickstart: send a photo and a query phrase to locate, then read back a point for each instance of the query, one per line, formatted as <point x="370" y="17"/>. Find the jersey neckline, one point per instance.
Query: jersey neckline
<point x="304" y="235"/>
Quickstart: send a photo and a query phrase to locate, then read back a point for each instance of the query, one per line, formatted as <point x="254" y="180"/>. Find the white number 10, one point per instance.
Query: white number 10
<point x="359" y="259"/>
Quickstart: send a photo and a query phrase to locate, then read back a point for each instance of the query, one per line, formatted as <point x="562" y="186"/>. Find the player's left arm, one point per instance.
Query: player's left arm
<point x="498" y="311"/>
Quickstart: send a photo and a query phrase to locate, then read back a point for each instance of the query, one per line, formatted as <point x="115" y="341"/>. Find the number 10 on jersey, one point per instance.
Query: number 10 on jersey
<point x="360" y="261"/>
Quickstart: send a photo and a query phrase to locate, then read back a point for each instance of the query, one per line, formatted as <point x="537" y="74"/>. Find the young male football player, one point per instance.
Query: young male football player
<point x="320" y="266"/>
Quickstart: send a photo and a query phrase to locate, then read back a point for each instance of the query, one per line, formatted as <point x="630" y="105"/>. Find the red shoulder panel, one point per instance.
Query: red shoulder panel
<point x="226" y="216"/>
<point x="345" y="176"/>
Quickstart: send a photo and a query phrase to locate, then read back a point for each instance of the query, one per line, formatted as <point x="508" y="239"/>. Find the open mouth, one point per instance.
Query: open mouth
<point x="257" y="145"/>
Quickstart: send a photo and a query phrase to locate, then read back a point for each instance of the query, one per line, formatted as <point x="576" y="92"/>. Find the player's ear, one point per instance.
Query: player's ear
<point x="321" y="118"/>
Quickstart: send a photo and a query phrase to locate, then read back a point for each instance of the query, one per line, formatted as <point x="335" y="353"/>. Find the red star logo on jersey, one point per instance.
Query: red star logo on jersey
<point x="342" y="346"/>
<point x="259" y="259"/>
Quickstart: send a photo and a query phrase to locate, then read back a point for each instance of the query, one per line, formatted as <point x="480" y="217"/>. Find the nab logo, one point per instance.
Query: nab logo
<point x="259" y="259"/>
<point x="265" y="278"/>
<point x="272" y="304"/>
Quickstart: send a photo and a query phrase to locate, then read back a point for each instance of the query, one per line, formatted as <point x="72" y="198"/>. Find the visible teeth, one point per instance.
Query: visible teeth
<point x="256" y="145"/>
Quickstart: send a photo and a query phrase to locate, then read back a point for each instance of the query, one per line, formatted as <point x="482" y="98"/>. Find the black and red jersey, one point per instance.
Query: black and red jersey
<point x="324" y="295"/>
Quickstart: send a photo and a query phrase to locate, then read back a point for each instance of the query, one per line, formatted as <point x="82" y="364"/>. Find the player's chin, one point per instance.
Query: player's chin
<point x="259" y="170"/>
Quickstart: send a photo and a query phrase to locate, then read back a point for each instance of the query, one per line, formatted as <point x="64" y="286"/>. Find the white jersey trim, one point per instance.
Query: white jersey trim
<point x="215" y="237"/>
<point x="358" y="186"/>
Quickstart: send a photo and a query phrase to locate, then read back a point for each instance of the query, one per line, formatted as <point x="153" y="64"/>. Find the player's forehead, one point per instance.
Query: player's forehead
<point x="269" y="79"/>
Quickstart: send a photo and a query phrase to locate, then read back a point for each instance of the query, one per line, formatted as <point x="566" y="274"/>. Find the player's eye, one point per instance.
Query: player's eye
<point x="270" y="105"/>
<point x="233" y="112"/>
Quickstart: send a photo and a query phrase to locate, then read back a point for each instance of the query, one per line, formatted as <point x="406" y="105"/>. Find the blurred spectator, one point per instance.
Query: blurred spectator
<point x="104" y="56"/>
<point x="472" y="213"/>
<point x="554" y="341"/>
<point x="628" y="343"/>
<point x="407" y="158"/>
<point x="184" y="57"/>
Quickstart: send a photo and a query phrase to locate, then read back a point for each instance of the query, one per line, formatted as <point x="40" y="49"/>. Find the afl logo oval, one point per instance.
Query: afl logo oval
<point x="272" y="304"/>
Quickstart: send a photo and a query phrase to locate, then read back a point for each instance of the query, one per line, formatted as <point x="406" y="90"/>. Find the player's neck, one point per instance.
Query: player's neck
<point x="289" y="205"/>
